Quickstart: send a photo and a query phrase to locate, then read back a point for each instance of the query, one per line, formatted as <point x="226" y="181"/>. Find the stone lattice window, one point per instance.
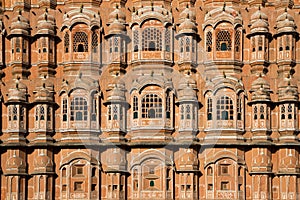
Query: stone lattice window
<point x="116" y="44"/>
<point x="209" y="109"/>
<point x="65" y="109"/>
<point x="135" y="107"/>
<point x="151" y="39"/>
<point x="209" y="41"/>
<point x="181" y="112"/>
<point x="167" y="40"/>
<point x="168" y="106"/>
<point x="280" y="44"/>
<point x="223" y="41"/>
<point x="135" y="41"/>
<point x="181" y="42"/>
<point x="94" y="108"/>
<point x="260" y="43"/>
<point x="79" y="109"/>
<point x="95" y="42"/>
<point x="282" y="112"/>
<point x="224" y="108"/>
<point x="237" y="40"/>
<point x="151" y="106"/>
<point x="262" y="112"/>
<point x="109" y="112"/>
<point x="66" y="42"/>
<point x="239" y="108"/>
<point x="255" y="112"/>
<point x="253" y="44"/>
<point x="80" y="42"/>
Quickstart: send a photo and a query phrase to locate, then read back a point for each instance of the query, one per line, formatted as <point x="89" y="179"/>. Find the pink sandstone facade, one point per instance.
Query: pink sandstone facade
<point x="149" y="99"/>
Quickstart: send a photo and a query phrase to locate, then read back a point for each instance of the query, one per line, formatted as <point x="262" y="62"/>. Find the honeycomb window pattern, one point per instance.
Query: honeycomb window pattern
<point x="223" y="41"/>
<point x="151" y="39"/>
<point x="80" y="42"/>
<point x="208" y="41"/>
<point x="224" y="108"/>
<point x="79" y="109"/>
<point x="151" y="106"/>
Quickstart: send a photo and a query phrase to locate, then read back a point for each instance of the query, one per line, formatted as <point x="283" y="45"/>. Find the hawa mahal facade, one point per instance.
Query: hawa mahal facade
<point x="149" y="99"/>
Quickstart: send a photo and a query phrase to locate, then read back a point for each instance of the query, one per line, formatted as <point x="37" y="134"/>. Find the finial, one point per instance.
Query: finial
<point x="17" y="86"/>
<point x="46" y="10"/>
<point x="117" y="6"/>
<point x="117" y="16"/>
<point x="44" y="85"/>
<point x="80" y="75"/>
<point x="224" y="6"/>
<point x="20" y="12"/>
<point x="46" y="17"/>
<point x="259" y="7"/>
<point x="81" y="8"/>
<point x="285" y="10"/>
<point x="289" y="83"/>
<point x="187" y="6"/>
<point x="224" y="75"/>
<point x="152" y="73"/>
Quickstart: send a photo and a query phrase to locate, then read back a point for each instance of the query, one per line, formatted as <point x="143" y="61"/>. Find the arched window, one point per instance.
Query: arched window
<point x="262" y="112"/>
<point x="223" y="41"/>
<point x="94" y="107"/>
<point x="49" y="113"/>
<point x="168" y="106"/>
<point x="80" y="42"/>
<point x="224" y="108"/>
<point x="18" y="45"/>
<point x="253" y="44"/>
<point x="239" y="108"/>
<point x="209" y="41"/>
<point x="237" y="40"/>
<point x="135" y="41"/>
<point x="151" y="39"/>
<point x="116" y="44"/>
<point x="95" y="42"/>
<point x="182" y="111"/>
<point x="255" y="113"/>
<point x="290" y="111"/>
<point x="109" y="112"/>
<point x="209" y="171"/>
<point x="14" y="113"/>
<point x="181" y="44"/>
<point x="65" y="109"/>
<point x="187" y="44"/>
<point x="66" y="42"/>
<point x="188" y="112"/>
<point x="42" y="113"/>
<point x="79" y="109"/>
<point x="135" y="107"/>
<point x="283" y="112"/>
<point x="167" y="40"/>
<point x="260" y="43"/>
<point x="209" y="109"/>
<point x="151" y="106"/>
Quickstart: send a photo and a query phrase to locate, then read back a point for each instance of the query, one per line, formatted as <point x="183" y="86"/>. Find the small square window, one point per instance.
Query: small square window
<point x="224" y="169"/>
<point x="151" y="171"/>
<point x="210" y="187"/>
<point x="224" y="185"/>
<point x="78" y="186"/>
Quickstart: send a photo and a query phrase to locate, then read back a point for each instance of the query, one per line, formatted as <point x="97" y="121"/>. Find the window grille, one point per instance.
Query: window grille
<point x="223" y="41"/>
<point x="182" y="112"/>
<point x="115" y="112"/>
<point x="253" y="44"/>
<point x="181" y="44"/>
<point x="22" y="114"/>
<point x="255" y="112"/>
<point x="80" y="43"/>
<point x="237" y="40"/>
<point x="188" y="112"/>
<point x="15" y="113"/>
<point x="290" y="111"/>
<point x="224" y="108"/>
<point x="208" y="41"/>
<point x="260" y="43"/>
<point x="280" y="44"/>
<point x="209" y="109"/>
<point x="116" y="44"/>
<point x="167" y="40"/>
<point x="95" y="42"/>
<point x="109" y="112"/>
<point x="168" y="106"/>
<point x="42" y="113"/>
<point x="135" y="41"/>
<point x="18" y="45"/>
<point x="48" y="113"/>
<point x="66" y="42"/>
<point x="187" y="44"/>
<point x="79" y="109"/>
<point x="94" y="108"/>
<point x="151" y="106"/>
<point x="239" y="108"/>
<point x="262" y="112"/>
<point x="151" y="39"/>
<point x="135" y="107"/>
<point x="65" y="110"/>
<point x="287" y="44"/>
<point x="282" y="111"/>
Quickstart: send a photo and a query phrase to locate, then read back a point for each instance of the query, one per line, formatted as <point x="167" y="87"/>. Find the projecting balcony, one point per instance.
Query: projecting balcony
<point x="152" y="57"/>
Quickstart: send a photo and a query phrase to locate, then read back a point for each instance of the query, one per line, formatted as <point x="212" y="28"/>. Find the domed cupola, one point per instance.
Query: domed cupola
<point x="287" y="91"/>
<point x="15" y="165"/>
<point x="46" y="24"/>
<point x="42" y="163"/>
<point x="285" y="23"/>
<point x="17" y="92"/>
<point x="116" y="92"/>
<point x="187" y="90"/>
<point x="259" y="22"/>
<point x="20" y="25"/>
<point x="187" y="26"/>
<point x="44" y="91"/>
<point x="117" y="22"/>
<point x="260" y="90"/>
<point x="262" y="162"/>
<point x="187" y="13"/>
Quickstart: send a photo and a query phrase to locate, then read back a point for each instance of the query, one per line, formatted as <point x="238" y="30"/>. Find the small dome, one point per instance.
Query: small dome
<point x="43" y="163"/>
<point x="288" y="92"/>
<point x="187" y="26"/>
<point x="187" y="13"/>
<point x="260" y="90"/>
<point x="15" y="164"/>
<point x="289" y="162"/>
<point x="117" y="14"/>
<point x="285" y="23"/>
<point x="17" y="92"/>
<point x="259" y="22"/>
<point x="44" y="91"/>
<point x="20" y="25"/>
<point x="186" y="90"/>
<point x="117" y="22"/>
<point x="116" y="92"/>
<point x="46" y="24"/>
<point x="262" y="161"/>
